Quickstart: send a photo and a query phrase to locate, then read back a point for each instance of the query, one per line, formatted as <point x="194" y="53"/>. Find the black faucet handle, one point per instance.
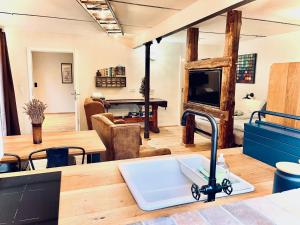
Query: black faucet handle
<point x="211" y="191"/>
<point x="196" y="192"/>
<point x="227" y="186"/>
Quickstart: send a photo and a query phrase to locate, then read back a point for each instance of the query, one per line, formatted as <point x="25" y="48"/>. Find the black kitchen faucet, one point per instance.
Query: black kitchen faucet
<point x="212" y="187"/>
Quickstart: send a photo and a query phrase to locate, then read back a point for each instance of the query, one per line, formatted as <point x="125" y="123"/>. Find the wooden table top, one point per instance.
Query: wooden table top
<point x="22" y="145"/>
<point x="158" y="101"/>
<point x="97" y="193"/>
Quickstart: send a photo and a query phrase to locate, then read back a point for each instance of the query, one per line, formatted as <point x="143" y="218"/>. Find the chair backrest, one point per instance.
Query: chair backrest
<point x="92" y="107"/>
<point x="57" y="157"/>
<point x="122" y="141"/>
<point x="14" y="166"/>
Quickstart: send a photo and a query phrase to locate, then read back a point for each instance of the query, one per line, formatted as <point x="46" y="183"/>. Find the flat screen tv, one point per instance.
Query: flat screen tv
<point x="205" y="86"/>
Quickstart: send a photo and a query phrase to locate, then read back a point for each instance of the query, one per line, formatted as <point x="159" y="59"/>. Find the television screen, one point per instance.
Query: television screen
<point x="205" y="86"/>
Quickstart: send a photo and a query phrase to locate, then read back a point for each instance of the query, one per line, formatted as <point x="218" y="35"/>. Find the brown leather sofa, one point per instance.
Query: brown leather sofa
<point x="92" y="107"/>
<point x="122" y="141"/>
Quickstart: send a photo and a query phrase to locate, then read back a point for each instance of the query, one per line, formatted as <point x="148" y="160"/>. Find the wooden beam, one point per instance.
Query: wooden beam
<point x="191" y="55"/>
<point x="209" y="63"/>
<point x="214" y="111"/>
<point x="227" y="102"/>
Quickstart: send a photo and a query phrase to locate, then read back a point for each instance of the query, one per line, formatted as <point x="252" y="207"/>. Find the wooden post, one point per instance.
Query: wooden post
<point x="191" y="55"/>
<point x="147" y="88"/>
<point x="227" y="102"/>
<point x="154" y="123"/>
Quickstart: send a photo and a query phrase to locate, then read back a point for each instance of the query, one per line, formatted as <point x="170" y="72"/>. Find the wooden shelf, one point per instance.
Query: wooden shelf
<point x="215" y="111"/>
<point x="110" y="82"/>
<point x="209" y="63"/>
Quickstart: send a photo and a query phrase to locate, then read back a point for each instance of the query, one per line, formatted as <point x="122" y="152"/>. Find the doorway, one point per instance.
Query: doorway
<point x="52" y="80"/>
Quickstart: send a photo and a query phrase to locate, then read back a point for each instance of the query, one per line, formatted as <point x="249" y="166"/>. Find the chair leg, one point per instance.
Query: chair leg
<point x="72" y="160"/>
<point x="93" y="158"/>
<point x="25" y="166"/>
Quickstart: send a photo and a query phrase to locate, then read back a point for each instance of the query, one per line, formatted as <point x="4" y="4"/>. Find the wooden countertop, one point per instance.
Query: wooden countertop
<point x="97" y="193"/>
<point x="22" y="145"/>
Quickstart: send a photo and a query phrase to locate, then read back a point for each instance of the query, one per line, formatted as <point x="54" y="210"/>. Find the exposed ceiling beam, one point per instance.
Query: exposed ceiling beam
<point x="192" y="15"/>
<point x="143" y="5"/>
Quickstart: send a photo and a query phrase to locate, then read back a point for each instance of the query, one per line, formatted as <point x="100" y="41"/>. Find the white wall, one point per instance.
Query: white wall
<point x="273" y="49"/>
<point x="165" y="77"/>
<point x="164" y="80"/>
<point x="98" y="51"/>
<point x="209" y="51"/>
<point x="92" y="53"/>
<point x="46" y="71"/>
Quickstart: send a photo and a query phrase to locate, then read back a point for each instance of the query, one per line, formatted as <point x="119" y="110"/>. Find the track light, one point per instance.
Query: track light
<point x="104" y="15"/>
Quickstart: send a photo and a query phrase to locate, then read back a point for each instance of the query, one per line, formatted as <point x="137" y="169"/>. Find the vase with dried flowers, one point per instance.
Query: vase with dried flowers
<point x="35" y="110"/>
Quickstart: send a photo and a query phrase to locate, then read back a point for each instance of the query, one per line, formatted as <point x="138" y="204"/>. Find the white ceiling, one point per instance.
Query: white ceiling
<point x="175" y="4"/>
<point x="136" y="18"/>
<point x="70" y="9"/>
<point x="277" y="12"/>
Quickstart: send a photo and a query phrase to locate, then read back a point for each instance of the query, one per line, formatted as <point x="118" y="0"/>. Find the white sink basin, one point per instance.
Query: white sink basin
<point x="160" y="183"/>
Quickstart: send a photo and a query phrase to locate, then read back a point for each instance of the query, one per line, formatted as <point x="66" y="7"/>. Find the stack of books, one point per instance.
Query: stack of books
<point x="113" y="71"/>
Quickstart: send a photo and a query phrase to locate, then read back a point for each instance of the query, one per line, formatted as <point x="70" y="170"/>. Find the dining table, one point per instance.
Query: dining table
<point x="22" y="145"/>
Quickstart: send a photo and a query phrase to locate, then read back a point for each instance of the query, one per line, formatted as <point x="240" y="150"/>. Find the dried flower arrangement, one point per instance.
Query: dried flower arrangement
<point x="35" y="110"/>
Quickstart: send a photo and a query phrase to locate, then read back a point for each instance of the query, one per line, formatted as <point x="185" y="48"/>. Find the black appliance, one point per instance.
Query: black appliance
<point x="31" y="199"/>
<point x="205" y="86"/>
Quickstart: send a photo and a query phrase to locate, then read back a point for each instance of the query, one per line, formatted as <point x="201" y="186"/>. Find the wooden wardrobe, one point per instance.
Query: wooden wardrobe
<point x="284" y="92"/>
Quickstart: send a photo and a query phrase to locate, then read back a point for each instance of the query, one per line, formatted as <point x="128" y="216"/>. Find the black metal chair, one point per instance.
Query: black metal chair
<point x="57" y="157"/>
<point x="11" y="166"/>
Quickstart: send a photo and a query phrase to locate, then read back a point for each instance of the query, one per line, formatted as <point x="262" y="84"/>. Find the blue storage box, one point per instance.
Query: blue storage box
<point x="269" y="142"/>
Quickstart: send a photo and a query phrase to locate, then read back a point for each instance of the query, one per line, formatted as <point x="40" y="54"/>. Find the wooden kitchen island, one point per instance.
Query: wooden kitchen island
<point x="97" y="193"/>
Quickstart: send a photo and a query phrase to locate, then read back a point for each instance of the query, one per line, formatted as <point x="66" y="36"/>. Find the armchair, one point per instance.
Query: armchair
<point x="92" y="107"/>
<point x="122" y="141"/>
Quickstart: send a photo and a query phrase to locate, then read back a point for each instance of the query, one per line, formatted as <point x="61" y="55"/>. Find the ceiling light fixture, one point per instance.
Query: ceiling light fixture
<point x="103" y="13"/>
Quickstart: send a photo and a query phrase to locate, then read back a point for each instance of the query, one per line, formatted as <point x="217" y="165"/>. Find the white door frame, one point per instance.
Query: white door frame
<point x="75" y="75"/>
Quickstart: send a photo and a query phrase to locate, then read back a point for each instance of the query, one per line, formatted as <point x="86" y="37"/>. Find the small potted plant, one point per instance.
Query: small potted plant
<point x="35" y="110"/>
<point x="142" y="87"/>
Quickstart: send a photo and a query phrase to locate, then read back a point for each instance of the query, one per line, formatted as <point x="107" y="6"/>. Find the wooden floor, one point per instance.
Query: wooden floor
<point x="57" y="122"/>
<point x="171" y="137"/>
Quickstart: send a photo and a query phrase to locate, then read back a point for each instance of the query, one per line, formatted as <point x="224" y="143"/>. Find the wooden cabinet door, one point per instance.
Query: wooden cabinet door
<point x="284" y="92"/>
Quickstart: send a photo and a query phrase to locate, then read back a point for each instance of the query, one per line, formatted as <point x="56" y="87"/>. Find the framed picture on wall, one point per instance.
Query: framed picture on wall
<point x="66" y="73"/>
<point x="246" y="68"/>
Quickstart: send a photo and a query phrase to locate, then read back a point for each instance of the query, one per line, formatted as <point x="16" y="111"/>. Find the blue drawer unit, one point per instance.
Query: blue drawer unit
<point x="269" y="142"/>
